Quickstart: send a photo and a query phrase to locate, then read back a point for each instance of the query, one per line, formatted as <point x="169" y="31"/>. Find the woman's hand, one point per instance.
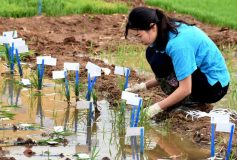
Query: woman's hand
<point x="137" y="87"/>
<point x="152" y="110"/>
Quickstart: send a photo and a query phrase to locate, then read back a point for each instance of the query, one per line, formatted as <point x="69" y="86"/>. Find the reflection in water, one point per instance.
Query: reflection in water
<point x="39" y="112"/>
<point x="18" y="95"/>
<point x="66" y="118"/>
<point x="11" y="86"/>
<point x="14" y="91"/>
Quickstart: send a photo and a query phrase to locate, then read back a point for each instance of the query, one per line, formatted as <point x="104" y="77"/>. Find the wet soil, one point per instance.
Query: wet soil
<point x="75" y="38"/>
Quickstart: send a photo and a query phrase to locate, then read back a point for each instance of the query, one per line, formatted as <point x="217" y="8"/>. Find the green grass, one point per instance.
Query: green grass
<point x="230" y="100"/>
<point x="27" y="8"/>
<point x="127" y="55"/>
<point x="222" y="13"/>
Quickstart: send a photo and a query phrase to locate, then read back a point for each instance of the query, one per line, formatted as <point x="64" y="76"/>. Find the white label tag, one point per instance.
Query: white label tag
<point x="94" y="72"/>
<point x="5" y="40"/>
<point x="25" y="82"/>
<point x="58" y="128"/>
<point x="90" y="66"/>
<point x="220" y="118"/>
<point x="40" y="58"/>
<point x="51" y="62"/>
<point x="120" y="70"/>
<point x="21" y="49"/>
<point x="17" y="42"/>
<point x="133" y="131"/>
<point x="83" y="104"/>
<point x="48" y="60"/>
<point x="107" y="71"/>
<point x="58" y="74"/>
<point x="128" y="95"/>
<point x="224" y="127"/>
<point x="133" y="101"/>
<point x="12" y="34"/>
<point x="71" y="66"/>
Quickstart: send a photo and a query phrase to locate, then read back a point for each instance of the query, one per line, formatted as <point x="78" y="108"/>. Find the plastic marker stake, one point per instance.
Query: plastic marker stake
<point x="132" y="116"/>
<point x="77" y="84"/>
<point x="12" y="58"/>
<point x="39" y="7"/>
<point x="212" y="140"/>
<point x="142" y="140"/>
<point x="138" y="113"/>
<point x="19" y="63"/>
<point x="66" y="84"/>
<point x="71" y="66"/>
<point x="88" y="96"/>
<point x="230" y="141"/>
<point x="42" y="70"/>
<point x="40" y="74"/>
<point x="58" y="74"/>
<point x="77" y="78"/>
<point x="90" y="87"/>
<point x="127" y="76"/>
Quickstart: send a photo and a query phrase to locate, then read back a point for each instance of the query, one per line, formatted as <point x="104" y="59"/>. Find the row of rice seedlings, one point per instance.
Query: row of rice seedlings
<point x="22" y="8"/>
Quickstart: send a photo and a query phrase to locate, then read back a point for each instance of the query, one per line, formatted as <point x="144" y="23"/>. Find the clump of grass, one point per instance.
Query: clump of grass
<point x="127" y="54"/>
<point x="6" y="114"/>
<point x="120" y="117"/>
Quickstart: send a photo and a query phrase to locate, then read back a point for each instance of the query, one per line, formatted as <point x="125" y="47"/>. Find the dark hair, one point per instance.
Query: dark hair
<point x="141" y="17"/>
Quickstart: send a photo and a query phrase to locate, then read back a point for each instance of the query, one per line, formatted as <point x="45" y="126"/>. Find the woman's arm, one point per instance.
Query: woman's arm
<point x="184" y="89"/>
<point x="151" y="83"/>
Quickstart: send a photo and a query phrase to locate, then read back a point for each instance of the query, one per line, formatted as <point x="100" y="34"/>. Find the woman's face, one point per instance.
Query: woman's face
<point x="148" y="37"/>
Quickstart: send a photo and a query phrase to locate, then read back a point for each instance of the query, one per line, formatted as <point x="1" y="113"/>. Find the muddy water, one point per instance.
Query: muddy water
<point x="48" y="109"/>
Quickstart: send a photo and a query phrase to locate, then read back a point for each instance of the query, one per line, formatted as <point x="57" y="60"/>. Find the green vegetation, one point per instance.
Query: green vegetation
<point x="230" y="100"/>
<point x="222" y="13"/>
<point x="128" y="55"/>
<point x="23" y="8"/>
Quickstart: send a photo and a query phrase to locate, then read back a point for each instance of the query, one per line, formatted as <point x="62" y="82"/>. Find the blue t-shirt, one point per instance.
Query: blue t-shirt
<point x="192" y="49"/>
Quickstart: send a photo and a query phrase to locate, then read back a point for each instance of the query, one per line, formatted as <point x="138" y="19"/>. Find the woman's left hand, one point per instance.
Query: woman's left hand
<point x="152" y="110"/>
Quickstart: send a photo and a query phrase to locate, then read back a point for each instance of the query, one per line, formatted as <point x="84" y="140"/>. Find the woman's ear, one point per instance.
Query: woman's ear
<point x="153" y="27"/>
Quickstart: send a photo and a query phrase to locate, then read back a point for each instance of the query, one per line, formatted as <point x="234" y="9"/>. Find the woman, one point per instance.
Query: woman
<point x="181" y="56"/>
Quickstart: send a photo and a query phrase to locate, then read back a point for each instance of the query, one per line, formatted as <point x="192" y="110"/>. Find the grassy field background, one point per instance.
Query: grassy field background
<point x="221" y="13"/>
<point x="27" y="8"/>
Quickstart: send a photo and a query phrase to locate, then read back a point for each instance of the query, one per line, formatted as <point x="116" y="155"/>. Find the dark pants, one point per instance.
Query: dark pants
<point x="202" y="91"/>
